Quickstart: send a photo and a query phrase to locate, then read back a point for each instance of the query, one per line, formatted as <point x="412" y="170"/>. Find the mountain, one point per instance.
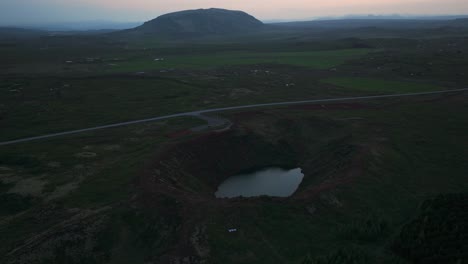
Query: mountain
<point x="86" y="26"/>
<point x="201" y="22"/>
<point x="395" y="17"/>
<point x="377" y="23"/>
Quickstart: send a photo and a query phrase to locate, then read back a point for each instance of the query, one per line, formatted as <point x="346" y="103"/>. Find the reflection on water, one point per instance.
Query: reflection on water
<point x="271" y="181"/>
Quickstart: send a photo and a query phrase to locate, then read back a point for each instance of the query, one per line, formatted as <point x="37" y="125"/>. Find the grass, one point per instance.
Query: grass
<point x="310" y="59"/>
<point x="106" y="179"/>
<point x="381" y="85"/>
<point x="417" y="146"/>
<point x="120" y="152"/>
<point x="90" y="102"/>
<point x="419" y="155"/>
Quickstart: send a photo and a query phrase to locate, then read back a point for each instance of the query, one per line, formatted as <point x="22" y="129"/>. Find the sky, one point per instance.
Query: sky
<point x="23" y="12"/>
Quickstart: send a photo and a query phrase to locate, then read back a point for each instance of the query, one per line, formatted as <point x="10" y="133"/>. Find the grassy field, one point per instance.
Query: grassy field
<point x="44" y="104"/>
<point x="382" y="86"/>
<point x="144" y="193"/>
<point x="311" y="59"/>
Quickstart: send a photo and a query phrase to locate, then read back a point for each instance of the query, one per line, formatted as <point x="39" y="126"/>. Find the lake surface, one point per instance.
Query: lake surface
<point x="270" y="181"/>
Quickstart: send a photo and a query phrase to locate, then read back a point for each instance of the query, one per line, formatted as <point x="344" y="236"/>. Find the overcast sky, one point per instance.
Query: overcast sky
<point x="20" y="12"/>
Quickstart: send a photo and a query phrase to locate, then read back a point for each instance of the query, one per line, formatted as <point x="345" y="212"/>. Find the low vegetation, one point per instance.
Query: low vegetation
<point x="437" y="235"/>
<point x="310" y="59"/>
<point x="382" y="86"/>
<point x="384" y="180"/>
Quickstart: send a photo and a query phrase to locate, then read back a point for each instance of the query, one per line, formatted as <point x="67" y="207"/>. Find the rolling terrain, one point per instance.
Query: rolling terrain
<point x="384" y="177"/>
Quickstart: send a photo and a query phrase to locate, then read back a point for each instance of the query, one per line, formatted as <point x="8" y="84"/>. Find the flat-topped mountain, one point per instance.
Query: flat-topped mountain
<point x="202" y="22"/>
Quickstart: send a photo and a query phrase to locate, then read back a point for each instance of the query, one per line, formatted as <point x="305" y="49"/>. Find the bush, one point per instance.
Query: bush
<point x="367" y="228"/>
<point x="438" y="234"/>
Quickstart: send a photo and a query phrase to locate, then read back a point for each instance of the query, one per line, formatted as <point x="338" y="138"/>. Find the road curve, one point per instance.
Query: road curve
<point x="206" y="111"/>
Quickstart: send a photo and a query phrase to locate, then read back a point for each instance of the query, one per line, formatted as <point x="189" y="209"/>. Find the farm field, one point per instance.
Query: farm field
<point x="315" y="59"/>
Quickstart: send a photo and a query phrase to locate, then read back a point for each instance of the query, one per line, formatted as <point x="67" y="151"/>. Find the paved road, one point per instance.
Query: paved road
<point x="201" y="112"/>
<point x="212" y="122"/>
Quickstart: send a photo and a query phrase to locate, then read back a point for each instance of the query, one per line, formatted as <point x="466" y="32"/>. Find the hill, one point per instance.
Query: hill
<point x="201" y="22"/>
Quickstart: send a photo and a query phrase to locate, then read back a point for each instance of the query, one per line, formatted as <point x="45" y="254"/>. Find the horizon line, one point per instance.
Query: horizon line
<point x="395" y="16"/>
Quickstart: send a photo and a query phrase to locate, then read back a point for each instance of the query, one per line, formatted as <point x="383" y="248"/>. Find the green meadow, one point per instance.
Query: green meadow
<point x="312" y="59"/>
<point x="382" y="85"/>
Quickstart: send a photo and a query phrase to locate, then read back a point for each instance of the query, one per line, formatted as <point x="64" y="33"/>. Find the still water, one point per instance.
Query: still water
<point x="270" y="181"/>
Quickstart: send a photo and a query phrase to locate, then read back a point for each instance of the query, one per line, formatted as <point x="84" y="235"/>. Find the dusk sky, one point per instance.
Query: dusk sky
<point x="20" y="12"/>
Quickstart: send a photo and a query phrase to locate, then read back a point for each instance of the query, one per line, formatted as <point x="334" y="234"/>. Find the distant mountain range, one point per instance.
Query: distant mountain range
<point x="83" y="26"/>
<point x="376" y="23"/>
<point x="369" y="17"/>
<point x="394" y="16"/>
